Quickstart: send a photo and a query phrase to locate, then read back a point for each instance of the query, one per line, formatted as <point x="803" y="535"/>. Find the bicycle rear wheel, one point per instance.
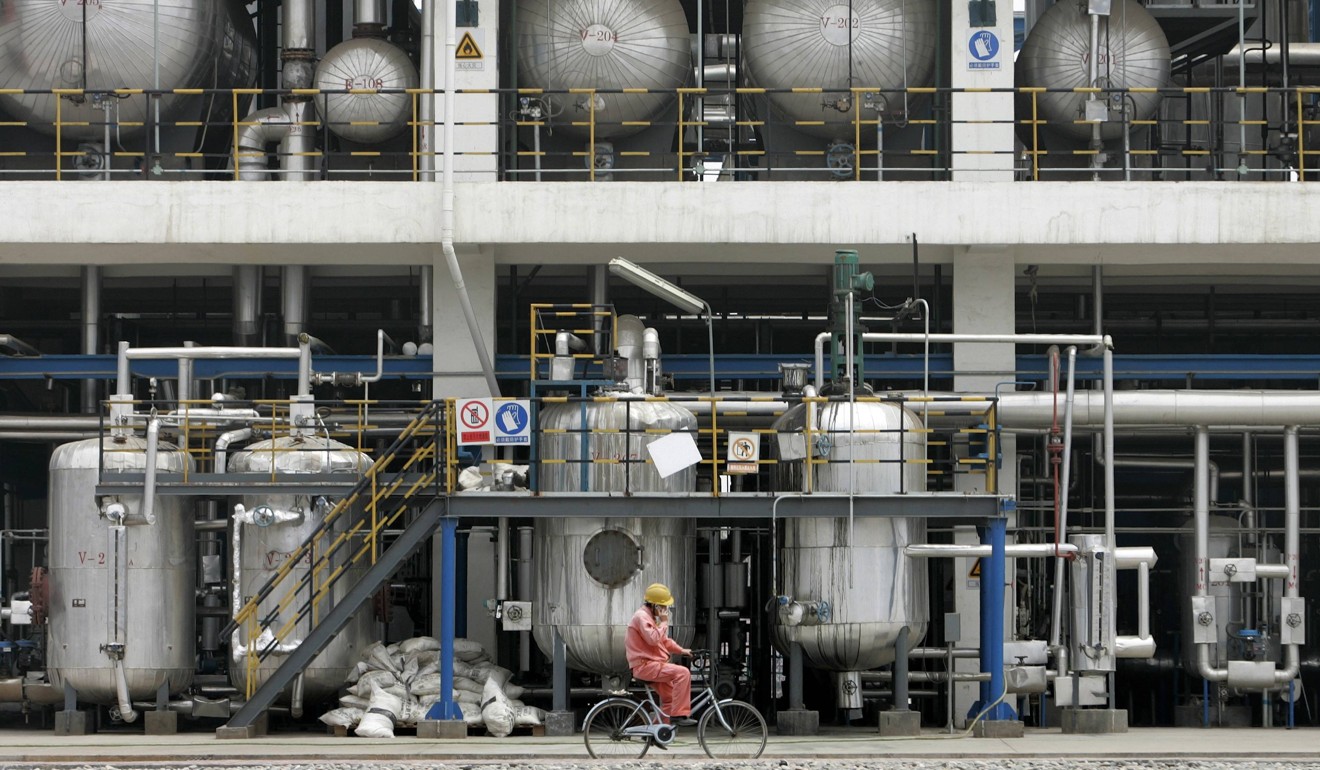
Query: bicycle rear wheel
<point x="604" y="734"/>
<point x="743" y="737"/>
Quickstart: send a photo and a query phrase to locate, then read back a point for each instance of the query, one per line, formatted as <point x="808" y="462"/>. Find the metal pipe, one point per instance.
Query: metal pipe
<point x="1152" y="408"/>
<point x="370" y="12"/>
<point x="260" y="128"/>
<point x="126" y="711"/>
<point x="1056" y="617"/>
<point x="901" y="674"/>
<point x="447" y="204"/>
<point x="299" y="144"/>
<point x="1292" y="519"/>
<point x="426" y="109"/>
<point x="10" y="423"/>
<point x="246" y="303"/>
<point x="302" y="353"/>
<point x="10" y="342"/>
<point x="524" y="593"/>
<point x="293" y="304"/>
<point x="502" y="560"/>
<point x="296" y="698"/>
<point x="149" y="476"/>
<point x="1015" y="551"/>
<point x="222" y="446"/>
<point x="425" y="311"/>
<point x="1093" y="77"/>
<point x="1169" y="462"/>
<point x="1201" y="517"/>
<point x="91" y="320"/>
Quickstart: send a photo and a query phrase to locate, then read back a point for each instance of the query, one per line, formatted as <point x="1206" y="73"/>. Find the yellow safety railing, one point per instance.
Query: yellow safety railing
<point x="859" y="112"/>
<point x="593" y="322"/>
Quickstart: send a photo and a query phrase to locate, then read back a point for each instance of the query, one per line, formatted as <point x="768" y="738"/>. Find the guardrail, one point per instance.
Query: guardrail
<point x="739" y="147"/>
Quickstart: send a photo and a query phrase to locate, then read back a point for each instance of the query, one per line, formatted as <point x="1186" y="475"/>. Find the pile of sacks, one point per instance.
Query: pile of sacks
<point x="396" y="686"/>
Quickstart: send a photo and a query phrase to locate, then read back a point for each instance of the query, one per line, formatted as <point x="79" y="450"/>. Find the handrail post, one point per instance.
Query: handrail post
<point x="681" y="126"/>
<point x="1035" y="138"/>
<point x="1301" y="140"/>
<point x="591" y="148"/>
<point x="854" y="92"/>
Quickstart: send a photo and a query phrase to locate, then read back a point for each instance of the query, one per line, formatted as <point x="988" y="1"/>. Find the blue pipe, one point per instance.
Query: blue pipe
<point x="1205" y="702"/>
<point x="992" y="623"/>
<point x="446" y="708"/>
<point x="1292" y="699"/>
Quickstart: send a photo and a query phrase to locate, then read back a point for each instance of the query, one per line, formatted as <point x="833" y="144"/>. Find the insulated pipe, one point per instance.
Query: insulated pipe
<point x="10" y="342"/>
<point x="259" y="129"/>
<point x="1201" y="517"/>
<point x="1170" y="462"/>
<point x="77" y="424"/>
<point x="297" y="24"/>
<point x="1292" y="519"/>
<point x="447" y="204"/>
<point x="299" y="143"/>
<point x="1153" y="408"/>
<point x="91" y="319"/>
<point x="236" y="586"/>
<point x="302" y="353"/>
<point x="149" y="476"/>
<point x="247" y="302"/>
<point x="1018" y="339"/>
<point x="1093" y="77"/>
<point x="293" y="304"/>
<point x="126" y="711"/>
<point x="426" y="110"/>
<point x="425" y="312"/>
<point x="600" y="295"/>
<point x="222" y="446"/>
<point x="1015" y="551"/>
<point x="502" y="560"/>
<point x="368" y="12"/>
<point x="1056" y="620"/>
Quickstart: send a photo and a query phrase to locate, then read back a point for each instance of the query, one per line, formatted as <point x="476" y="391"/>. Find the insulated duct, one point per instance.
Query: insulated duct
<point x="91" y="319"/>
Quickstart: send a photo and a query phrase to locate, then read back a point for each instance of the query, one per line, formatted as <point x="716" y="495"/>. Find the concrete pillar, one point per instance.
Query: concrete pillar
<point x="983" y="302"/>
<point x="455" y="359"/>
<point x="982" y="57"/>
<point x="475" y="67"/>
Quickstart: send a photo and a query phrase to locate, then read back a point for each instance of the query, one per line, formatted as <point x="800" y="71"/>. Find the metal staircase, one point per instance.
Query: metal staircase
<point x="407" y="472"/>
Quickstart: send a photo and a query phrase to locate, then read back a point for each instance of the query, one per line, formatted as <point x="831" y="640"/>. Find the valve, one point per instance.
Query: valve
<point x="1205" y="619"/>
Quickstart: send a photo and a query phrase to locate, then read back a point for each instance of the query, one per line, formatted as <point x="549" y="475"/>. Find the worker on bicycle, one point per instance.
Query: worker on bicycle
<point x="649" y="649"/>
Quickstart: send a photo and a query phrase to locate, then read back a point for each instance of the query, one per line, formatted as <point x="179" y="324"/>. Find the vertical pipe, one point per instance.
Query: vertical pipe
<point x="426" y="304"/>
<point x="1143" y="600"/>
<point x="445" y="708"/>
<point x="502" y="560"/>
<point x="246" y="303"/>
<point x="712" y="611"/>
<point x="524" y="593"/>
<point x="1056" y="621"/>
<point x="795" y="678"/>
<point x="559" y="663"/>
<point x="427" y="113"/>
<point x="901" y="670"/>
<point x="293" y="305"/>
<point x="91" y="319"/>
<point x="600" y="295"/>
<point x="992" y="620"/>
<point x="1093" y="75"/>
<point x="1110" y="543"/>
<point x="1201" y="507"/>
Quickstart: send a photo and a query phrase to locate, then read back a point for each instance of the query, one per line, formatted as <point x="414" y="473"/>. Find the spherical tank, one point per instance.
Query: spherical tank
<point x="108" y="44"/>
<point x="265" y="549"/>
<point x="158" y="592"/>
<point x="591" y="572"/>
<point x="1134" y="53"/>
<point x="365" y="64"/>
<point x="604" y="44"/>
<point x="872" y="589"/>
<point x="882" y="44"/>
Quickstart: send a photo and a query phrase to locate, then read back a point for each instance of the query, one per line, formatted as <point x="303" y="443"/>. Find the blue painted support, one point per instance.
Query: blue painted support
<point x="446" y="708"/>
<point x="992" y="624"/>
<point x="1292" y="703"/>
<point x="1205" y="702"/>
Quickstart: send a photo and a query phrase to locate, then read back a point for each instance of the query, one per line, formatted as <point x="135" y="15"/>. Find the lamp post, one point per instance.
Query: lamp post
<point x="673" y="294"/>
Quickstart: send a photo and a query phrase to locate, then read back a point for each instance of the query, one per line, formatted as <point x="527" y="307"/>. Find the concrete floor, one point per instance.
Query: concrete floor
<point x="28" y="745"/>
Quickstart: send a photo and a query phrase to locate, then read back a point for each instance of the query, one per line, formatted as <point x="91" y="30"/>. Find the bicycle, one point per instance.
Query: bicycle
<point x="627" y="727"/>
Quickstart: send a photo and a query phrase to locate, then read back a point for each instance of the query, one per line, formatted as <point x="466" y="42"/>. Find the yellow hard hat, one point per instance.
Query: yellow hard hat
<point x="658" y="593"/>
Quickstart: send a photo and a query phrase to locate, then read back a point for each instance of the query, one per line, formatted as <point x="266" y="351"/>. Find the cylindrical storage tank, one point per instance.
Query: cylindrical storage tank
<point x="1134" y="53"/>
<point x="881" y="44"/>
<point x="604" y="44"/>
<point x="264" y="549"/>
<point x="160" y="576"/>
<point x="591" y="573"/>
<point x="108" y="44"/>
<point x="859" y="571"/>
<point x="365" y="63"/>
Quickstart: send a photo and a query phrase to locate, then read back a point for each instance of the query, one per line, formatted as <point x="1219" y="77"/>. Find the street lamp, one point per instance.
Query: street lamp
<point x="675" y="295"/>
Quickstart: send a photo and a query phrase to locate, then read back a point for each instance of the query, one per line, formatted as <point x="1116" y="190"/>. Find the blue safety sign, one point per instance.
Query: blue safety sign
<point x="983" y="45"/>
<point x="513" y="422"/>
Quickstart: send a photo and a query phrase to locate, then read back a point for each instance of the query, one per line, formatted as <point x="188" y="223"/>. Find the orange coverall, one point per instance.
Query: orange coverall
<point x="648" y="646"/>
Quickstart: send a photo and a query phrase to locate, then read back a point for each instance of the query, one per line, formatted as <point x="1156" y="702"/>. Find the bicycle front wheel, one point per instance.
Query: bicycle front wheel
<point x="741" y="734"/>
<point x="604" y="731"/>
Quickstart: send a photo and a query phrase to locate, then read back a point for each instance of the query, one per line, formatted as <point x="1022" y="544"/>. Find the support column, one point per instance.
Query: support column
<point x="458" y="370"/>
<point x="990" y="707"/>
<point x="445" y="720"/>
<point x="983" y="302"/>
<point x="982" y="57"/>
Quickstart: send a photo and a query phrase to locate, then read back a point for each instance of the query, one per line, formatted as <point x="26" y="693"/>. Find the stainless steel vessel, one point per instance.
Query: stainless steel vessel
<point x="604" y="44"/>
<point x="365" y="64"/>
<point x="591" y="573"/>
<point x="834" y="44"/>
<point x="1134" y="53"/>
<point x="861" y="588"/>
<point x="109" y="44"/>
<point x="264" y="549"/>
<point x="159" y="637"/>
